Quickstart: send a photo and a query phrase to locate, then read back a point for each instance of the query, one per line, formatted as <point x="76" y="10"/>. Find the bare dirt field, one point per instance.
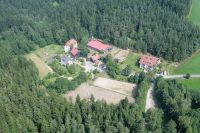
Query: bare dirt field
<point x="104" y="89"/>
<point x="116" y="86"/>
<point x="43" y="68"/>
<point x="119" y="54"/>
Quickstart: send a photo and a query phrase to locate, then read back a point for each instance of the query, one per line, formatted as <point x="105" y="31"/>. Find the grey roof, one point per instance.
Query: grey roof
<point x="65" y="60"/>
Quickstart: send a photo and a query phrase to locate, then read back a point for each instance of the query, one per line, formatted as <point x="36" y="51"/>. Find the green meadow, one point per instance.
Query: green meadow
<point x="190" y="65"/>
<point x="193" y="84"/>
<point x="132" y="60"/>
<point x="194" y="15"/>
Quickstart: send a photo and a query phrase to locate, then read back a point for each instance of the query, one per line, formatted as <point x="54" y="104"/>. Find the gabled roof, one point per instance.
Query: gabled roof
<point x="74" y="51"/>
<point x="95" y="57"/>
<point x="149" y="60"/>
<point x="71" y="42"/>
<point x="98" y="45"/>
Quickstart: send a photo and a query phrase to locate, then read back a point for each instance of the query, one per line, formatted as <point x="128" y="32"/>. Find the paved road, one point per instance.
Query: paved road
<point x="179" y="76"/>
<point x="150" y="100"/>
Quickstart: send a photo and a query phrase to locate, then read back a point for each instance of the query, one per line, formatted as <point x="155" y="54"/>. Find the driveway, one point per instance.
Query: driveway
<point x="150" y="100"/>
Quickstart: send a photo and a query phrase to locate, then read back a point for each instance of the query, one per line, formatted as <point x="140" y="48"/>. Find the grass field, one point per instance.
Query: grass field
<point x="195" y="12"/>
<point x="46" y="53"/>
<point x="132" y="60"/>
<point x="42" y="56"/>
<point x="193" y="84"/>
<point x="190" y="65"/>
<point x="43" y="68"/>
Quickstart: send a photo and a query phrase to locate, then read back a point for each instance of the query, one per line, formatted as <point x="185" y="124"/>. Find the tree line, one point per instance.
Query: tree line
<point x="157" y="26"/>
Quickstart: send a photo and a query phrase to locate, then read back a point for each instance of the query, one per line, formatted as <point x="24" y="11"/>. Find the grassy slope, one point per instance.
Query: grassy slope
<point x="195" y="12"/>
<point x="132" y="60"/>
<point x="42" y="55"/>
<point x="40" y="64"/>
<point x="190" y="65"/>
<point x="193" y="84"/>
<point x="48" y="52"/>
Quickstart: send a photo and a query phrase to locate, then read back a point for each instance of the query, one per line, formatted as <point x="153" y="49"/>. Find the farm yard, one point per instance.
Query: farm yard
<point x="104" y="89"/>
<point x="190" y="65"/>
<point x="193" y="84"/>
<point x="194" y="15"/>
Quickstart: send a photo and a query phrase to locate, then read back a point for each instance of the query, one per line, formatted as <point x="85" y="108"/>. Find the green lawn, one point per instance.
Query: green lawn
<point x="193" y="84"/>
<point x="132" y="60"/>
<point x="190" y="65"/>
<point x="195" y="12"/>
<point x="46" y="53"/>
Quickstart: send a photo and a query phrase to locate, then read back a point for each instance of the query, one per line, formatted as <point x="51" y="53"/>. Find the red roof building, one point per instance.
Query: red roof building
<point x="74" y="52"/>
<point x="98" y="45"/>
<point x="149" y="62"/>
<point x="95" y="57"/>
<point x="98" y="63"/>
<point x="72" y="43"/>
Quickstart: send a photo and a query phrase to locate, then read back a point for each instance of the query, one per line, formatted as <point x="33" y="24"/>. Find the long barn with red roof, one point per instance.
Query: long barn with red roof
<point x="99" y="45"/>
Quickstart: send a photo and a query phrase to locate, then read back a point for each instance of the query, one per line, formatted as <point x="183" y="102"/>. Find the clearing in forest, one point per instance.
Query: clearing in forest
<point x="194" y="15"/>
<point x="190" y="65"/>
<point x="43" y="68"/>
<point x="104" y="89"/>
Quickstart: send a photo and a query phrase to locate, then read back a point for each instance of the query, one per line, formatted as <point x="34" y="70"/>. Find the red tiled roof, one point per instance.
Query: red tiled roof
<point x="74" y="51"/>
<point x="95" y="57"/>
<point x="71" y="42"/>
<point x="97" y="62"/>
<point x="149" y="60"/>
<point x="98" y="45"/>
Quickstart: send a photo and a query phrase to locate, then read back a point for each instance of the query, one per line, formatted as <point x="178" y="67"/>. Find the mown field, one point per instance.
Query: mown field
<point x="190" y="65"/>
<point x="193" y="84"/>
<point x="42" y="67"/>
<point x="42" y="56"/>
<point x="195" y="12"/>
<point x="48" y="52"/>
